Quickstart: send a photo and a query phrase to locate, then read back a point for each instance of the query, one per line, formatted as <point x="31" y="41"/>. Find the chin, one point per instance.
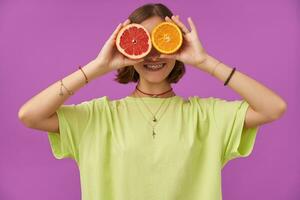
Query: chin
<point x="155" y="79"/>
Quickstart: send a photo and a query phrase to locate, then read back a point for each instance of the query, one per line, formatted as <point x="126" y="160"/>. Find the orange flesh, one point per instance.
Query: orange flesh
<point x="166" y="38"/>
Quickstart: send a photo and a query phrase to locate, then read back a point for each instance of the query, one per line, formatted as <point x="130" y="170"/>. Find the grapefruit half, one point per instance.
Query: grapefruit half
<point x="134" y="41"/>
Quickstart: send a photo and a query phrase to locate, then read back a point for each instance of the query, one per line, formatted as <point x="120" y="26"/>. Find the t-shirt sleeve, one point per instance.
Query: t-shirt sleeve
<point x="73" y="120"/>
<point x="237" y="141"/>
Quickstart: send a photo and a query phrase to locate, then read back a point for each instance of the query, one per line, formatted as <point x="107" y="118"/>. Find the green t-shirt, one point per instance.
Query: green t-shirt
<point x="118" y="158"/>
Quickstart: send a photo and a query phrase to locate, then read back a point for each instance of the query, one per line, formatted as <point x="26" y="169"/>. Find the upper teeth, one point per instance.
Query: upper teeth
<point x="154" y="65"/>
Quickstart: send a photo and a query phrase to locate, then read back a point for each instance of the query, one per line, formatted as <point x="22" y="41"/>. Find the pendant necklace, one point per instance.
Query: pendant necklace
<point x="154" y="117"/>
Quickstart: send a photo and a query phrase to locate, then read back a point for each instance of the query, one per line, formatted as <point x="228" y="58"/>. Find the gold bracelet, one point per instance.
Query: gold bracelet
<point x="86" y="79"/>
<point x="61" y="92"/>
<point x="212" y="72"/>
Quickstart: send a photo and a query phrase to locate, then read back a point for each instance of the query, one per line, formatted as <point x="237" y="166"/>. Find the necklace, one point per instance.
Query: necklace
<point x="155" y="119"/>
<point x="153" y="95"/>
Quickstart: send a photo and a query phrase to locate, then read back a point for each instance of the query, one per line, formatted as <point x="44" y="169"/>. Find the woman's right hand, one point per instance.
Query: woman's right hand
<point x="109" y="56"/>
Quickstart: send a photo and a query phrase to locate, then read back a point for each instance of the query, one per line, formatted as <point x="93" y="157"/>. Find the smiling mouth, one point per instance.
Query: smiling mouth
<point x="154" y="66"/>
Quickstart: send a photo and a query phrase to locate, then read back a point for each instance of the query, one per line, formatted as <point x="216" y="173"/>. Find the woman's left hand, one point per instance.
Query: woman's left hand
<point x="191" y="52"/>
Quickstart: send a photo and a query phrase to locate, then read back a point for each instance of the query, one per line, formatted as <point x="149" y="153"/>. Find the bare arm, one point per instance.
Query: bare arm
<point x="40" y="111"/>
<point x="265" y="105"/>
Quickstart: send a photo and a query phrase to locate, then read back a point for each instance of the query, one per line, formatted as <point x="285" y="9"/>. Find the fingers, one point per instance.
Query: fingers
<point x="180" y="24"/>
<point x="168" y="19"/>
<point x="185" y="30"/>
<point x="192" y="24"/>
<point x="120" y="25"/>
<point x="126" y="22"/>
<point x="114" y="34"/>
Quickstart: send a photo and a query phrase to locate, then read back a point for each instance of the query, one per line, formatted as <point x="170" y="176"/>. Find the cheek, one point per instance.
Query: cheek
<point x="171" y="64"/>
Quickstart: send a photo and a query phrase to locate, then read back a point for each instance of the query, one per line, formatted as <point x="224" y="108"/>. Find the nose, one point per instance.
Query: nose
<point x="153" y="55"/>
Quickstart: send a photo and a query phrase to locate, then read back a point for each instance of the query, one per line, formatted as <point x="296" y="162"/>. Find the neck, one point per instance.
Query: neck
<point x="153" y="88"/>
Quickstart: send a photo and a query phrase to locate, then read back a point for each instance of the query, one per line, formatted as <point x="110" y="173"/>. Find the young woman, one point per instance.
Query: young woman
<point x="152" y="144"/>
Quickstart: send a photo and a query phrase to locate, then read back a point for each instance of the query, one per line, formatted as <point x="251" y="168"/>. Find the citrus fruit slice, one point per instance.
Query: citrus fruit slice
<point x="166" y="37"/>
<point x="134" y="41"/>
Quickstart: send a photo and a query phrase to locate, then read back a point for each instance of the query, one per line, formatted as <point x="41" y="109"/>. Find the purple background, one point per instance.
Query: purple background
<point x="44" y="41"/>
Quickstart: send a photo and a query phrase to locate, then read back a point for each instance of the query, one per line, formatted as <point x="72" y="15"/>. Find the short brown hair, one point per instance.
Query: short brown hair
<point x="128" y="74"/>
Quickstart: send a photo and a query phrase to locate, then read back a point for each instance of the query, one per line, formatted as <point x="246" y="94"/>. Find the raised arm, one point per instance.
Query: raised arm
<point x="39" y="112"/>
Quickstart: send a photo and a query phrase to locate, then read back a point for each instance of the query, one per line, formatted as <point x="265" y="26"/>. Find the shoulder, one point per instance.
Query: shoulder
<point x="105" y="102"/>
<point x="200" y="101"/>
<point x="215" y="103"/>
<point x="90" y="104"/>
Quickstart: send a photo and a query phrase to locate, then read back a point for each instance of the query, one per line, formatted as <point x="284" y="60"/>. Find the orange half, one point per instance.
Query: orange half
<point x="166" y="37"/>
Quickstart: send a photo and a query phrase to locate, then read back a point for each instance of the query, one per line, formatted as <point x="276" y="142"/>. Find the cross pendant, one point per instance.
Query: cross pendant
<point x="154" y="119"/>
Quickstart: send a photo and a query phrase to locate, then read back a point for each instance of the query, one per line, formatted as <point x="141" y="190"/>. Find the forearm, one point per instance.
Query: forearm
<point x="260" y="98"/>
<point x="45" y="103"/>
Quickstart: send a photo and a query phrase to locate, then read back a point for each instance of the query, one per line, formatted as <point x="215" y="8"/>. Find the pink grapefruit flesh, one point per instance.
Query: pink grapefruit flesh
<point x="134" y="41"/>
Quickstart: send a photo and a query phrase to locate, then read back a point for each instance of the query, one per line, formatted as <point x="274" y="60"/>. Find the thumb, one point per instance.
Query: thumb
<point x="113" y="36"/>
<point x="133" y="61"/>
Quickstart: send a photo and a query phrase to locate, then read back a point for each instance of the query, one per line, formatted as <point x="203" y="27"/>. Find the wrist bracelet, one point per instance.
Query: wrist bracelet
<point x="86" y="79"/>
<point x="229" y="77"/>
<point x="61" y="92"/>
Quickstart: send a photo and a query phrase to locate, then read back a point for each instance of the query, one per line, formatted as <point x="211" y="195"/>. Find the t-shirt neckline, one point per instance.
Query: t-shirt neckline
<point x="150" y="99"/>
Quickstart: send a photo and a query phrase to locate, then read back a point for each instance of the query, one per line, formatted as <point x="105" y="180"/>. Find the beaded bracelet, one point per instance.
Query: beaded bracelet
<point x="229" y="77"/>
<point x="70" y="92"/>
<point x="61" y="92"/>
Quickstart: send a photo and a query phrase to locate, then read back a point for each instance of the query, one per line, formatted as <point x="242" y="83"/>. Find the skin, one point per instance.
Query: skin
<point x="154" y="82"/>
<point x="264" y="104"/>
<point x="192" y="53"/>
<point x="261" y="110"/>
